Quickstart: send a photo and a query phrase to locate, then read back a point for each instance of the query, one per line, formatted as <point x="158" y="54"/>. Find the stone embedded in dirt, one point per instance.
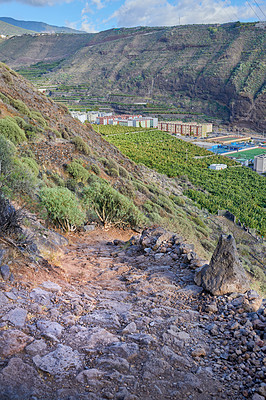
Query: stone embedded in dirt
<point x="5" y="272"/>
<point x="191" y="290"/>
<point x="95" y="338"/>
<point x="50" y="329"/>
<point x="105" y="319"/>
<point x="3" y="300"/>
<point x="13" y="341"/>
<point x="41" y="296"/>
<point x="19" y="380"/>
<point x="59" y="362"/>
<point x="129" y="351"/>
<point x="51" y="286"/>
<point x="211" y="308"/>
<point x="89" y="228"/>
<point x="88" y="375"/>
<point x="154" y="237"/>
<point x="130" y="328"/>
<point x="199" y="351"/>
<point x="254" y="300"/>
<point x="16" y="317"/>
<point x="37" y="347"/>
<point x="225" y="273"/>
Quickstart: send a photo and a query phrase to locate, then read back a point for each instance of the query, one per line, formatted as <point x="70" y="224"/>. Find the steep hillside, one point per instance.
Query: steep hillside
<point x="56" y="160"/>
<point x="8" y="29"/>
<point x="217" y="71"/>
<point x="38" y="26"/>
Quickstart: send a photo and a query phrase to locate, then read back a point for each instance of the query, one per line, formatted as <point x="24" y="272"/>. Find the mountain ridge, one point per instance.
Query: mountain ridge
<point x="216" y="70"/>
<point x="40" y="27"/>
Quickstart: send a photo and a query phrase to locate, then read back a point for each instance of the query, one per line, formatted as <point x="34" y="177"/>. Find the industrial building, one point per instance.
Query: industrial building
<point x="185" y="128"/>
<point x="260" y="163"/>
<point x="137" y="121"/>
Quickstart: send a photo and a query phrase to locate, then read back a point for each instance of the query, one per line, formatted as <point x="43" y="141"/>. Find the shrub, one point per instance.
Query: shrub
<point x="10" y="129"/>
<point x="178" y="200"/>
<point x="112" y="172"/>
<point x="4" y="98"/>
<point x="77" y="171"/>
<point x="7" y="151"/>
<point x="80" y="145"/>
<point x="96" y="169"/>
<point x="20" y="106"/>
<point x="20" y="179"/>
<point x="62" y="208"/>
<point x="37" y="116"/>
<point x="123" y="172"/>
<point x="111" y="207"/>
<point x="31" y="163"/>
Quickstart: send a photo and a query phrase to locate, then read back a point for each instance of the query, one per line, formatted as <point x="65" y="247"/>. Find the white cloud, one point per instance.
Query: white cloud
<point x="97" y="3"/>
<point x="87" y="26"/>
<point x="38" y="3"/>
<point x="163" y="13"/>
<point x="87" y="9"/>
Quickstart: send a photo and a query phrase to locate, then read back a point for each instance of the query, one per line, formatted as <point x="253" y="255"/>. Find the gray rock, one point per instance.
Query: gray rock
<point x="13" y="341"/>
<point x="89" y="228"/>
<point x="41" y="296"/>
<point x="51" y="286"/>
<point x="191" y="290"/>
<point x="16" y="317"/>
<point x="106" y="319"/>
<point x="37" y="347"/>
<point x="93" y="338"/>
<point x="225" y="273"/>
<point x="88" y="375"/>
<point x="3" y="300"/>
<point x="5" y="272"/>
<point x="59" y="362"/>
<point x="50" y="329"/>
<point x="128" y="351"/>
<point x="130" y="328"/>
<point x="20" y="381"/>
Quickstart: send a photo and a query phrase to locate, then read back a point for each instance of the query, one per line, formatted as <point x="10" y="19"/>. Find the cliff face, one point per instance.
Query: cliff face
<point x="217" y="70"/>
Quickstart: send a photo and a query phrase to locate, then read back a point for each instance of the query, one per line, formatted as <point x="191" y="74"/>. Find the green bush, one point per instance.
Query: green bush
<point x="77" y="171"/>
<point x="63" y="208"/>
<point x="10" y="129"/>
<point x="32" y="164"/>
<point x="80" y="145"/>
<point x="37" y="117"/>
<point x="111" y="207"/>
<point x="123" y="172"/>
<point x="113" y="172"/>
<point x="20" y="180"/>
<point x="4" y="98"/>
<point x="96" y="169"/>
<point x="20" y="106"/>
<point x="7" y="152"/>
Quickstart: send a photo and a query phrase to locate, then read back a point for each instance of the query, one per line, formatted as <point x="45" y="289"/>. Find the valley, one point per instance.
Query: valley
<point x="200" y="71"/>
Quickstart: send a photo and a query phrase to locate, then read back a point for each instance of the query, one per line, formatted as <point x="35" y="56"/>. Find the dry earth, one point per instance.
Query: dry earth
<point x="117" y="322"/>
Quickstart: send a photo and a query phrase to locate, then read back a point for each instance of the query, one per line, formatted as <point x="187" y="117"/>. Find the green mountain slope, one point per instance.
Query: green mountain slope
<point x="67" y="173"/>
<point x="215" y="70"/>
<point x="40" y="27"/>
<point x="10" y="30"/>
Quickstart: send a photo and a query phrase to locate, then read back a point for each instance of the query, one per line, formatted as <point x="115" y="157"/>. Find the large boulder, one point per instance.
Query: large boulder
<point x="225" y="273"/>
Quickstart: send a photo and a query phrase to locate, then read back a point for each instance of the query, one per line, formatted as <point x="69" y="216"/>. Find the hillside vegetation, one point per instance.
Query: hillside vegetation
<point x="70" y="176"/>
<point x="206" y="71"/>
<point x="10" y="30"/>
<point x="237" y="189"/>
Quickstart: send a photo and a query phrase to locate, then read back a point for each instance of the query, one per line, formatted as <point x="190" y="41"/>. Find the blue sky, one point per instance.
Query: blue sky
<point x="98" y="15"/>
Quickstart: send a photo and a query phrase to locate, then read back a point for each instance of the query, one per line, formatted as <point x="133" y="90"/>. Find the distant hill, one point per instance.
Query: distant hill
<point x="40" y="27"/>
<point x="9" y="30"/>
<point x="215" y="71"/>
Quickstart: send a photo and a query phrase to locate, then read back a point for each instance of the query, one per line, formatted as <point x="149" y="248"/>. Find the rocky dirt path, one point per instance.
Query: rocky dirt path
<point x="127" y="322"/>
